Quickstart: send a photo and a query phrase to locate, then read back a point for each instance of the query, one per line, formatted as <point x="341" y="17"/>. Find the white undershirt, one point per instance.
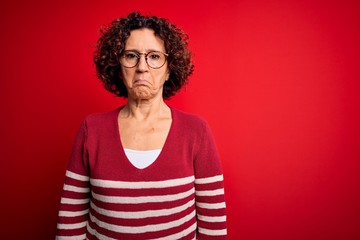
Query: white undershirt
<point x="142" y="159"/>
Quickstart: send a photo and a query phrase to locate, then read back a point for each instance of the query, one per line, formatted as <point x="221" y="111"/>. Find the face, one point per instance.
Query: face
<point x="141" y="81"/>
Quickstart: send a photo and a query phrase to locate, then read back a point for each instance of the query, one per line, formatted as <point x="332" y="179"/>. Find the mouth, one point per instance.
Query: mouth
<point x="141" y="82"/>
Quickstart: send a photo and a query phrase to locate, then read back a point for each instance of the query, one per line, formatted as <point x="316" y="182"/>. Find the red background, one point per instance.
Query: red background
<point x="278" y="82"/>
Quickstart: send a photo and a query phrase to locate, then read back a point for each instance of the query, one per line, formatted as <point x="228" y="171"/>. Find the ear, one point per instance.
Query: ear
<point x="167" y="75"/>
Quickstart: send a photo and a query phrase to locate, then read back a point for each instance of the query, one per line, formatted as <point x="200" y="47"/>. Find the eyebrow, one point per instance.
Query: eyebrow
<point x="147" y="50"/>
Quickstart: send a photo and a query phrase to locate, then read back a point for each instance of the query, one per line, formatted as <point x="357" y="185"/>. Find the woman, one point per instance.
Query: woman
<point x="144" y="170"/>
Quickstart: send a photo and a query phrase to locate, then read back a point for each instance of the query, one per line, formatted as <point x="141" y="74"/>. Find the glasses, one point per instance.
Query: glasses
<point x="154" y="59"/>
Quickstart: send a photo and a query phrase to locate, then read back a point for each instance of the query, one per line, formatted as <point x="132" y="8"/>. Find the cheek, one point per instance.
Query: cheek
<point x="161" y="77"/>
<point x="126" y="75"/>
<point x="167" y="73"/>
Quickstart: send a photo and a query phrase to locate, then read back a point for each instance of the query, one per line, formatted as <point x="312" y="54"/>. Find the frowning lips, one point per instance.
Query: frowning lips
<point x="142" y="82"/>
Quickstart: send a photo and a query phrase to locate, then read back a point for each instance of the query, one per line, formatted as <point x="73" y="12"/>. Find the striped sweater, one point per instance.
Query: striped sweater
<point x="179" y="196"/>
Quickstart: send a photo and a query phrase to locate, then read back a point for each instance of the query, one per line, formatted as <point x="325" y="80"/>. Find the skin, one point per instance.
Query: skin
<point x="145" y="120"/>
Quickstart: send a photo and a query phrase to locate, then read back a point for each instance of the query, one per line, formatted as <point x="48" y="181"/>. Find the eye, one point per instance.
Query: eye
<point x="131" y="55"/>
<point x="154" y="56"/>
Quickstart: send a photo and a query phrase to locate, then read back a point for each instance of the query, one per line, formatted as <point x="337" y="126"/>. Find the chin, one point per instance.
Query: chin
<point x="143" y="95"/>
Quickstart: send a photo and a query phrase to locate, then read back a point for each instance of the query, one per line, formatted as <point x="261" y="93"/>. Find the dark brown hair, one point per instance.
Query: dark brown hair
<point x="112" y="41"/>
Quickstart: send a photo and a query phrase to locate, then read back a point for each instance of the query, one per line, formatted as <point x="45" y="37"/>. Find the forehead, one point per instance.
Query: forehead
<point x="144" y="39"/>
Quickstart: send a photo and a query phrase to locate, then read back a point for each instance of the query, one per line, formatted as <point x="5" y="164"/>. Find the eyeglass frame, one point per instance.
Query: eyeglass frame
<point x="145" y="55"/>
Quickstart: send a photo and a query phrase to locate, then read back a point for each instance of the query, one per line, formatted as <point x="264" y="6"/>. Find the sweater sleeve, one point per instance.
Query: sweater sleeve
<point x="209" y="190"/>
<point x="74" y="205"/>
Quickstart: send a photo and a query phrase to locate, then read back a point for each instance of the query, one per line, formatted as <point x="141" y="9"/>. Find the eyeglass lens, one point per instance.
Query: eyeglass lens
<point x="154" y="59"/>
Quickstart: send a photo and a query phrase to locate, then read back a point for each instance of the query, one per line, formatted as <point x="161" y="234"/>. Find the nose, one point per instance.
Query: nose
<point x="142" y="64"/>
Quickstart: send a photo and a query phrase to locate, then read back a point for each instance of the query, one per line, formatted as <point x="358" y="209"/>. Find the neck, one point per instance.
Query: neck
<point x="144" y="109"/>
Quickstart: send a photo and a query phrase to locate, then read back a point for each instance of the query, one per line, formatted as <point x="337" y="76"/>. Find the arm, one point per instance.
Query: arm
<point x="209" y="190"/>
<point x="74" y="206"/>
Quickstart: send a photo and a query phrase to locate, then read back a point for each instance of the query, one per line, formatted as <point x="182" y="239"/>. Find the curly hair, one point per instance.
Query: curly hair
<point x="111" y="45"/>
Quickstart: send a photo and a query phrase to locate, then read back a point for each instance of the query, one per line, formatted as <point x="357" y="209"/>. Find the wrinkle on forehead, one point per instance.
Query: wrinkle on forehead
<point x="144" y="40"/>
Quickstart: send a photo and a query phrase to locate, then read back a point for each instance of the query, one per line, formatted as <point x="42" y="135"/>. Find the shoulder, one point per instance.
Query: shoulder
<point x="99" y="119"/>
<point x="188" y="120"/>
